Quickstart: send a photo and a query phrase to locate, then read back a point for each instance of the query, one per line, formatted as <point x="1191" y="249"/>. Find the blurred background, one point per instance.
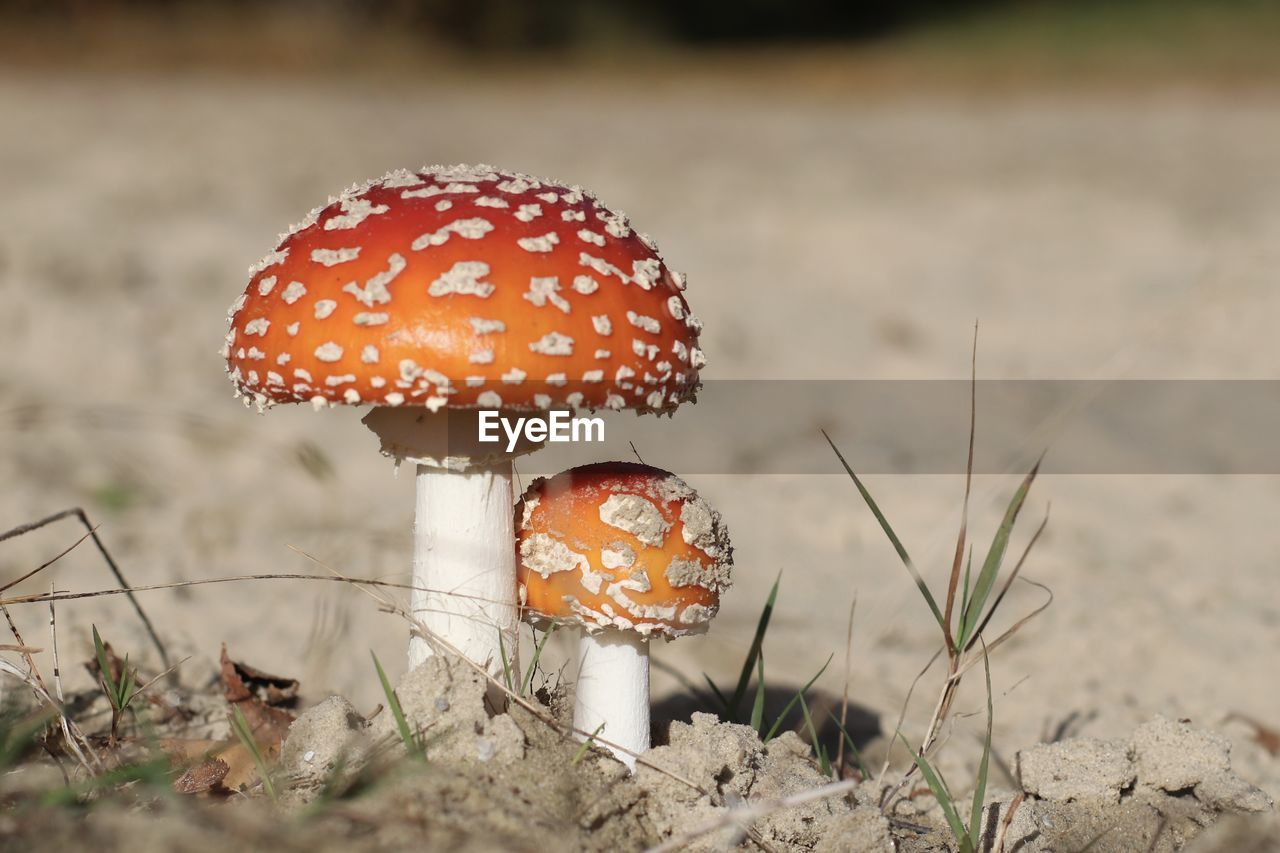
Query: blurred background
<point x="849" y="186"/>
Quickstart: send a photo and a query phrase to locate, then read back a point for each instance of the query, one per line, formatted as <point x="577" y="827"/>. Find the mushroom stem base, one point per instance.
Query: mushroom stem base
<point x="464" y="568"/>
<point x="613" y="691"/>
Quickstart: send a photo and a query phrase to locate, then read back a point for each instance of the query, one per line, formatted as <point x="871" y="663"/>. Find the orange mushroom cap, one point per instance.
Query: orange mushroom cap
<point x="620" y="545"/>
<point x="465" y="287"/>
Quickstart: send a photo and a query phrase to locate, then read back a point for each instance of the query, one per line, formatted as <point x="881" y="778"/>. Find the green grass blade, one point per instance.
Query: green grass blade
<point x="506" y="663"/>
<point x="799" y="694"/>
<point x="586" y="744"/>
<point x="1008" y="582"/>
<point x="980" y="790"/>
<point x="104" y="667"/>
<point x="126" y="685"/>
<point x="245" y="734"/>
<point x="995" y="556"/>
<point x="943" y="796"/>
<point x="851" y="746"/>
<point x="824" y="762"/>
<point x="720" y="696"/>
<point x="893" y="537"/>
<point x="757" y="644"/>
<point x="757" y="707"/>
<point x="393" y="704"/>
<point x="527" y="684"/>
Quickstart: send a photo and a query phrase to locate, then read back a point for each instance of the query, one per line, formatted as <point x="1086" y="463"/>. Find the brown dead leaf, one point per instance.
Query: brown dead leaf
<point x="241" y="770"/>
<point x="262" y="699"/>
<point x="241" y="681"/>
<point x="202" y="777"/>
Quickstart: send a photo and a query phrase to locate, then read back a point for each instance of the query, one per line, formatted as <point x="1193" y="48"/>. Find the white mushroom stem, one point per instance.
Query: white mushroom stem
<point x="612" y="695"/>
<point x="464" y="560"/>
<point x="464" y="568"/>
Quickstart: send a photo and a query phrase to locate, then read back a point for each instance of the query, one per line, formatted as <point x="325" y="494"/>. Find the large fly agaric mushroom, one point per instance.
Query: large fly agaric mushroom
<point x="429" y="295"/>
<point x="627" y="552"/>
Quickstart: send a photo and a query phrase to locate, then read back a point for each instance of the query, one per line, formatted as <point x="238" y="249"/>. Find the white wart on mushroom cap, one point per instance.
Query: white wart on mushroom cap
<point x="620" y="545"/>
<point x="464" y="286"/>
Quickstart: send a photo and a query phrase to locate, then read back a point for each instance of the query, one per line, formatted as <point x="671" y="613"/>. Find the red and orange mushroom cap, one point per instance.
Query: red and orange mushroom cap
<point x="465" y="286"/>
<point x="620" y="545"/>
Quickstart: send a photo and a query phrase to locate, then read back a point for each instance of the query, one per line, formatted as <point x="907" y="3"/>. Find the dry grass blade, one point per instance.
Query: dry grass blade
<point x="72" y="596"/>
<point x="75" y="739"/>
<point x="32" y="681"/>
<point x="997" y="845"/>
<point x="848" y="676"/>
<point x="22" y="648"/>
<point x="71" y="742"/>
<point x="156" y="678"/>
<point x="40" y="568"/>
<point x="92" y="533"/>
<point x="1013" y="629"/>
<point x="902" y="716"/>
<point x="36" y="682"/>
<point x="958" y="559"/>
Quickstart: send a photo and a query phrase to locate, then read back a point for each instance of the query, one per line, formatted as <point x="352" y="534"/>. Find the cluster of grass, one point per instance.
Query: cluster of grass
<point x="963" y="618"/>
<point x="753" y="666"/>
<point x="522" y="684"/>
<point x="120" y="691"/>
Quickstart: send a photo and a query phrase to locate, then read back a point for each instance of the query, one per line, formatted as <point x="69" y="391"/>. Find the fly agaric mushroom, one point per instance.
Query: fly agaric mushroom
<point x="428" y="295"/>
<point x="627" y="552"/>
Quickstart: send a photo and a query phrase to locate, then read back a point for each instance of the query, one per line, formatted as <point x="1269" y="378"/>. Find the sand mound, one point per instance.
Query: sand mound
<point x="1156" y="791"/>
<point x="515" y="781"/>
<point x="512" y="779"/>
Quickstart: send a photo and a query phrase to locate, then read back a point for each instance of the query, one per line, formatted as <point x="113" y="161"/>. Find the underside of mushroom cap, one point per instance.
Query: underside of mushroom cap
<point x="620" y="545"/>
<point x="465" y="287"/>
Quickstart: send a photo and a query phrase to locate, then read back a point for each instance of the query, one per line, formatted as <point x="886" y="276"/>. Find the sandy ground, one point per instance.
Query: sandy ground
<point x="1133" y="236"/>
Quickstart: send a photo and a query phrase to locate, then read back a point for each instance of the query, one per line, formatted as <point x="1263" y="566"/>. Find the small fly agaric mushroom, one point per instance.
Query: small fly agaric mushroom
<point x="429" y="295"/>
<point x="627" y="552"/>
